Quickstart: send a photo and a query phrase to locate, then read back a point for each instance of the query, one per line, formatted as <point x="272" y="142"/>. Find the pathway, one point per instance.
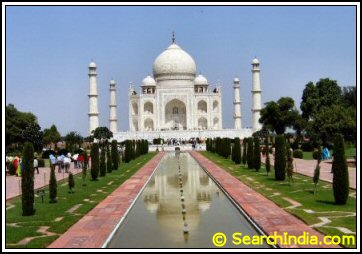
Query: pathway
<point x="270" y="217"/>
<point x="94" y="228"/>
<point x="306" y="167"/>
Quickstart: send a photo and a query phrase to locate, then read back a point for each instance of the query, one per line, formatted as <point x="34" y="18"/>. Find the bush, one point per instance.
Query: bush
<point x="114" y="155"/>
<point x="12" y="168"/>
<point x="46" y="154"/>
<point x="157" y="141"/>
<point x="307" y="147"/>
<point x="95" y="161"/>
<point x="295" y="144"/>
<point x="71" y="183"/>
<point x="317" y="155"/>
<point x="237" y="151"/>
<point x="243" y="158"/>
<point x="27" y="180"/>
<point x="256" y="155"/>
<point x="298" y="154"/>
<point x="128" y="151"/>
<point x="340" y="172"/>
<point x="250" y="153"/>
<point x="267" y="160"/>
<point x="102" y="165"/>
<point x="53" y="185"/>
<point x="109" y="160"/>
<point x="41" y="163"/>
<point x="280" y="161"/>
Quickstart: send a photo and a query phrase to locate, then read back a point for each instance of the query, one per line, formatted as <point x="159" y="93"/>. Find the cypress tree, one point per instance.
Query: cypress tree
<point x="256" y="156"/>
<point x="27" y="180"/>
<point x="280" y="154"/>
<point x="227" y="148"/>
<point x="267" y="160"/>
<point x="109" y="160"/>
<point x="85" y="167"/>
<point x="290" y="163"/>
<point x="71" y="182"/>
<point x="237" y="151"/>
<point x="340" y="172"/>
<point x="128" y="150"/>
<point x="114" y="154"/>
<point x="250" y="153"/>
<point x="102" y="165"/>
<point x="243" y="159"/>
<point x="53" y="192"/>
<point x="95" y="161"/>
<point x="317" y="169"/>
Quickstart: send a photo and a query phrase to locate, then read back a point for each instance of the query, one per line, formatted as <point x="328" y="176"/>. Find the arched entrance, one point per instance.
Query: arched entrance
<point x="175" y="115"/>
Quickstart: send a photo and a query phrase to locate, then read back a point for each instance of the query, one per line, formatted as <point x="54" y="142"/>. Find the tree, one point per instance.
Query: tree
<point x="103" y="166"/>
<point x="128" y="150"/>
<point x="256" y="156"/>
<point x="325" y="93"/>
<point x="53" y="192"/>
<point x="15" y="123"/>
<point x="102" y="134"/>
<point x="317" y="169"/>
<point x="237" y="151"/>
<point x="245" y="141"/>
<point x="33" y="134"/>
<point x="73" y="140"/>
<point x="51" y="135"/>
<point x="114" y="154"/>
<point x="109" y="160"/>
<point x="95" y="161"/>
<point x="267" y="160"/>
<point x="280" y="153"/>
<point x="71" y="183"/>
<point x="84" y="168"/>
<point x="27" y="180"/>
<point x="349" y="96"/>
<point x="290" y="164"/>
<point x="340" y="172"/>
<point x="277" y="116"/>
<point x="250" y="153"/>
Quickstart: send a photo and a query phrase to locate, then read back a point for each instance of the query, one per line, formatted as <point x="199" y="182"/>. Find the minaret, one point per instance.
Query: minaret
<point x="237" y="114"/>
<point x="113" y="108"/>
<point x="256" y="94"/>
<point x="93" y="98"/>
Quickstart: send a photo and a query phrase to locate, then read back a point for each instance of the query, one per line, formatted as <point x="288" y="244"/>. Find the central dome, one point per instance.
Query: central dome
<point x="174" y="63"/>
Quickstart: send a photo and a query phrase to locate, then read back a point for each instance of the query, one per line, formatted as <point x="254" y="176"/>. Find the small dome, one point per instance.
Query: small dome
<point x="92" y="65"/>
<point x="113" y="82"/>
<point x="201" y="80"/>
<point x="255" y="61"/>
<point x="236" y="80"/>
<point x="174" y="62"/>
<point x="148" y="81"/>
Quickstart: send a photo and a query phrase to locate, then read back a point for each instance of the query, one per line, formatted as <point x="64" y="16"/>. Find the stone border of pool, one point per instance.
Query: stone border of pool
<point x="94" y="229"/>
<point x="265" y="213"/>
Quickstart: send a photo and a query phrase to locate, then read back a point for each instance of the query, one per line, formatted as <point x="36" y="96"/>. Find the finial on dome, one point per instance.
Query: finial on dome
<point x="173" y="37"/>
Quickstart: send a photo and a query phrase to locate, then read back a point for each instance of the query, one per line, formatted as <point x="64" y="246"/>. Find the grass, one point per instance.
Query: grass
<point x="19" y="227"/>
<point x="350" y="153"/>
<point x="301" y="191"/>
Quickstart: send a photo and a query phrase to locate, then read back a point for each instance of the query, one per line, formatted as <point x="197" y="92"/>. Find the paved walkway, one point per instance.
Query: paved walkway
<point x="306" y="167"/>
<point x="270" y="217"/>
<point x="13" y="183"/>
<point x="95" y="227"/>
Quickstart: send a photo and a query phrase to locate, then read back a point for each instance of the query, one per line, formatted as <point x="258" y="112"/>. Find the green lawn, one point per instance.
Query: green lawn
<point x="350" y="153"/>
<point x="19" y="227"/>
<point x="301" y="191"/>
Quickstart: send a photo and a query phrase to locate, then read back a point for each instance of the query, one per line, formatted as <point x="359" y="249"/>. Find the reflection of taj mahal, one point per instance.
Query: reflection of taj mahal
<point x="175" y="102"/>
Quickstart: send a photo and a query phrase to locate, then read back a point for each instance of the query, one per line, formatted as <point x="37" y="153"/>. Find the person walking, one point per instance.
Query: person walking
<point x="36" y="165"/>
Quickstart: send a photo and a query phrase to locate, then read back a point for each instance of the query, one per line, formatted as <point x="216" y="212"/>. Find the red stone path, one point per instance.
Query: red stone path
<point x="306" y="167"/>
<point x="95" y="227"/>
<point x="13" y="183"/>
<point x="270" y="217"/>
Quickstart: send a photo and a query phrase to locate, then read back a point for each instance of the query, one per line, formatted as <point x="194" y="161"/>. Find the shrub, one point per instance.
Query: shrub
<point x="280" y="162"/>
<point x="237" y="151"/>
<point x="128" y="151"/>
<point x="114" y="155"/>
<point x="267" y="160"/>
<point x="95" y="161"/>
<point x="41" y="163"/>
<point x="317" y="155"/>
<point x="102" y="165"/>
<point x="307" y="147"/>
<point x="85" y="167"/>
<point x="250" y="153"/>
<point x="46" y="154"/>
<point x="109" y="160"/>
<point x="295" y="144"/>
<point x="298" y="154"/>
<point x="27" y="180"/>
<point x="340" y="172"/>
<point x="256" y="156"/>
<point x="53" y="185"/>
<point x="71" y="183"/>
<point x="289" y="163"/>
<point x="243" y="158"/>
<point x="12" y="168"/>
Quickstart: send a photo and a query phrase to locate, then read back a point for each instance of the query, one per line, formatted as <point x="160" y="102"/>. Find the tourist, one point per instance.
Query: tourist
<point x="67" y="162"/>
<point x="35" y="165"/>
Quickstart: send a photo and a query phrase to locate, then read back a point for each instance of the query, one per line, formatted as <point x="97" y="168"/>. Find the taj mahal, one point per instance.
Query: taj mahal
<point x="175" y="102"/>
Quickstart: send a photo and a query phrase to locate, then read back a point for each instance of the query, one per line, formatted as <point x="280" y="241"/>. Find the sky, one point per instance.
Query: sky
<point x="48" y="50"/>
